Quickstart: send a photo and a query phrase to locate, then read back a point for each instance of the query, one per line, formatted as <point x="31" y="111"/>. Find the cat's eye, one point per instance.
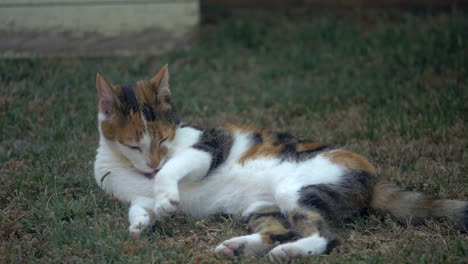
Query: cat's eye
<point x="162" y="140"/>
<point x="135" y="148"/>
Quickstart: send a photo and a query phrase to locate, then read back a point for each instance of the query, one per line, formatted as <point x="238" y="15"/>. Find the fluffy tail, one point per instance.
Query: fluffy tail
<point x="415" y="207"/>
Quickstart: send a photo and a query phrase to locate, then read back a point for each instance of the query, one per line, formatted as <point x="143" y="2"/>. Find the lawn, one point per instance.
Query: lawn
<point x="389" y="85"/>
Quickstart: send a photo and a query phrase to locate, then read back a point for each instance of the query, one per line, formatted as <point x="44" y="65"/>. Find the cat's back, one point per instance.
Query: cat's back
<point x="259" y="144"/>
<point x="265" y="160"/>
<point x="250" y="156"/>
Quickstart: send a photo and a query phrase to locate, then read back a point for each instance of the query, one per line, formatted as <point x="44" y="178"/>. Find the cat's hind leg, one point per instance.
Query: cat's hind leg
<point x="269" y="226"/>
<point x="316" y="237"/>
<point x="140" y="214"/>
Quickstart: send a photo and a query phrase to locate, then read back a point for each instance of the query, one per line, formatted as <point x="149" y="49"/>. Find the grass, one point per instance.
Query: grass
<point x="389" y="85"/>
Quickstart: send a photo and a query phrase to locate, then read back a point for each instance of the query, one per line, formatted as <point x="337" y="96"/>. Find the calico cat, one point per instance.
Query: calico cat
<point x="287" y="189"/>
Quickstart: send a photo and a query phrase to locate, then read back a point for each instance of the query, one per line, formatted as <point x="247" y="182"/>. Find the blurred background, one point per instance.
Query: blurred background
<point x="123" y="27"/>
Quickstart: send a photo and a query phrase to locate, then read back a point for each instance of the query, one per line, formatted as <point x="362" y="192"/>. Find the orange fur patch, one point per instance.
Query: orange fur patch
<point x="260" y="150"/>
<point x="243" y="128"/>
<point x="308" y="146"/>
<point x="350" y="160"/>
<point x="269" y="226"/>
<point x="145" y="93"/>
<point x="109" y="129"/>
<point x="306" y="222"/>
<point x="269" y="146"/>
<point x="266" y="148"/>
<point x="160" y="130"/>
<point x="129" y="130"/>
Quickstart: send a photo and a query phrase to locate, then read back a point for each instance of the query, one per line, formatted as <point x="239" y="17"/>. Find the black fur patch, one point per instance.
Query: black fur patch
<point x="324" y="189"/>
<point x="289" y="153"/>
<point x="331" y="245"/>
<point x="130" y="103"/>
<point x="322" y="148"/>
<point x="149" y="114"/>
<point x="285" y="237"/>
<point x="218" y="143"/>
<point x="285" y="138"/>
<point x="169" y="115"/>
<point x="257" y="215"/>
<point x="128" y="98"/>
<point x="362" y="177"/>
<point x="345" y="198"/>
<point x="311" y="199"/>
<point x="257" y="138"/>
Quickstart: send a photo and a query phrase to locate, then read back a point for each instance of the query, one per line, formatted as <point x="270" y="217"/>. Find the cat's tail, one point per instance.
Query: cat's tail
<point x="415" y="207"/>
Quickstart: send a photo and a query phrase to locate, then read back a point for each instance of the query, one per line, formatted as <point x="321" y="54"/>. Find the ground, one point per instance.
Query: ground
<point x="390" y="85"/>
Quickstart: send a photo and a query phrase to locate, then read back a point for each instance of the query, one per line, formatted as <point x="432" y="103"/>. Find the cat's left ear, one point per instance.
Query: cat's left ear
<point x="161" y="82"/>
<point x="105" y="94"/>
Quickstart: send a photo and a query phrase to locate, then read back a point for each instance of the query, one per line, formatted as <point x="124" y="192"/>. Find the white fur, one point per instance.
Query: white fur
<point x="231" y="188"/>
<point x="140" y="215"/>
<point x="116" y="175"/>
<point x="188" y="166"/>
<point x="250" y="245"/>
<point x="133" y="159"/>
<point x="255" y="206"/>
<point x="312" y="245"/>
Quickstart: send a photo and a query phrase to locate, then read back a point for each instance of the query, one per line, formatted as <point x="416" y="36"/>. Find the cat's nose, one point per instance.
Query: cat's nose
<point x="153" y="165"/>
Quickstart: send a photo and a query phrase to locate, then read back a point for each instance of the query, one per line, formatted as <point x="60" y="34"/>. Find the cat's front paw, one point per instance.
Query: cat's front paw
<point x="139" y="219"/>
<point x="136" y="228"/>
<point x="166" y="204"/>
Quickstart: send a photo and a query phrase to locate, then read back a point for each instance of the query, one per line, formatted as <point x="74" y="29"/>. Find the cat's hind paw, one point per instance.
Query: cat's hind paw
<point x="313" y="245"/>
<point x="250" y="245"/>
<point x="227" y="251"/>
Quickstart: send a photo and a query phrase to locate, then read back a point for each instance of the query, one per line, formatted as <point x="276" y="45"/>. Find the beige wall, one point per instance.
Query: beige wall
<point x="108" y="17"/>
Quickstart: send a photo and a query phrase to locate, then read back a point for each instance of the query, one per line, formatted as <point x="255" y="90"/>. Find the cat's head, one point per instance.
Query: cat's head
<point x="138" y="119"/>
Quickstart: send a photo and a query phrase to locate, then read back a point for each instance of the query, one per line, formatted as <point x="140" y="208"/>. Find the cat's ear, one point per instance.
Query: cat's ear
<point x="161" y="82"/>
<point x="105" y="94"/>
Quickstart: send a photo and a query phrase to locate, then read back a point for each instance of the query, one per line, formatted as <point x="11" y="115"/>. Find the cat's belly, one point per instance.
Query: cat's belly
<point x="234" y="187"/>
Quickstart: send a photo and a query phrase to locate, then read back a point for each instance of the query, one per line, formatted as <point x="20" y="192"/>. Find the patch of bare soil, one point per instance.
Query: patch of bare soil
<point x="65" y="44"/>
